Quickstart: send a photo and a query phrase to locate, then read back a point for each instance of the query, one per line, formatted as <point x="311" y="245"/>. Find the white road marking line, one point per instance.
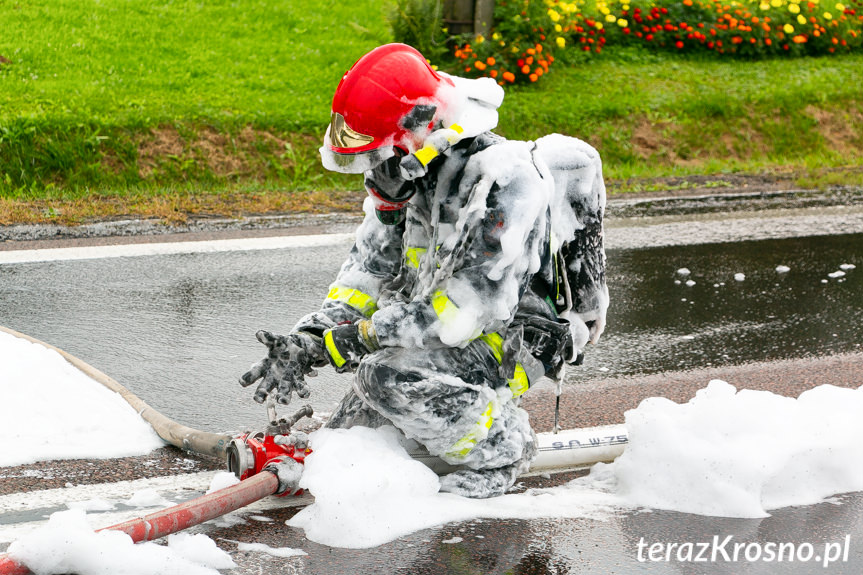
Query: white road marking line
<point x="171" y="248"/>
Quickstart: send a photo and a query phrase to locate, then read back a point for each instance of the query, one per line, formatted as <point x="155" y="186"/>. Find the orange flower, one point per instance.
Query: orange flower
<point x="509" y="76"/>
<point x="479" y="65"/>
<point x="490" y="61"/>
<point x="525" y="69"/>
<point x="533" y="77"/>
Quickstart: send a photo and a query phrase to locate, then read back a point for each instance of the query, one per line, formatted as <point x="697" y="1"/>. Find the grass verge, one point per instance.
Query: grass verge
<point x="176" y="109"/>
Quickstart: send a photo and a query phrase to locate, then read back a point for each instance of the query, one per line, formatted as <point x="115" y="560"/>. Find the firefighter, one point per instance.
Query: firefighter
<point x="457" y="295"/>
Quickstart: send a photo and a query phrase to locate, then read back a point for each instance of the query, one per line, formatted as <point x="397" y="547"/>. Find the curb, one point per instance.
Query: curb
<point x="732" y="201"/>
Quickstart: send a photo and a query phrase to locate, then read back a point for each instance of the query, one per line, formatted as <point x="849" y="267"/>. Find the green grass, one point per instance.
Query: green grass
<point x="663" y="115"/>
<point x="133" y="62"/>
<point x="219" y="106"/>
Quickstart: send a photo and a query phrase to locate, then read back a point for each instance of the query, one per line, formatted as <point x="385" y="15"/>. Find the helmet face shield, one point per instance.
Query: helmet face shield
<point x="346" y="162"/>
<point x="342" y="136"/>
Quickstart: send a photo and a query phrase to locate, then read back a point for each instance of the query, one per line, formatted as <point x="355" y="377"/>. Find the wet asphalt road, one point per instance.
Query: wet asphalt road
<point x="188" y="322"/>
<point x="178" y="330"/>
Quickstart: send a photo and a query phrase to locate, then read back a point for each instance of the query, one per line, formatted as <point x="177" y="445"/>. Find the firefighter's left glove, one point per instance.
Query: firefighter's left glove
<point x="345" y="345"/>
<point x="289" y="360"/>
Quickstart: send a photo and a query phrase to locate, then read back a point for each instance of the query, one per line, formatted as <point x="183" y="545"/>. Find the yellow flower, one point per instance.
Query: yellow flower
<point x="626" y="7"/>
<point x="558" y="28"/>
<point x="555" y="17"/>
<point x="480" y="39"/>
<point x="788" y="28"/>
<point x="495" y="36"/>
<point x="611" y="18"/>
<point x="776" y="3"/>
<point x="605" y="10"/>
<point x="598" y="26"/>
<point x="802" y="19"/>
<point x="828" y="16"/>
<point x="840" y="7"/>
<point x="560" y="42"/>
<point x="622" y="23"/>
<point x="794" y="8"/>
<point x="764" y="6"/>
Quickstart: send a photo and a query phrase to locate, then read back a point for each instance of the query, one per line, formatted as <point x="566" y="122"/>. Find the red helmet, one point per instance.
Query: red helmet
<point x="390" y="98"/>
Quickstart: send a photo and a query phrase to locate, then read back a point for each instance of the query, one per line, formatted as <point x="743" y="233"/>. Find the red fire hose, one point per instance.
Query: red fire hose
<point x="182" y="516"/>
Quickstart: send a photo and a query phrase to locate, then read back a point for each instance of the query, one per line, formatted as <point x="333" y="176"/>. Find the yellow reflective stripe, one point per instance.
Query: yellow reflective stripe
<point x="445" y="309"/>
<point x="413" y="256"/>
<point x="463" y="446"/>
<point x="358" y="300"/>
<point x="426" y="154"/>
<point x="519" y="382"/>
<point x="333" y="350"/>
<point x="495" y="342"/>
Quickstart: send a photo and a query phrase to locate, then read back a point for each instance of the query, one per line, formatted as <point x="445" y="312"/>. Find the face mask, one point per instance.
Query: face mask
<point x="389" y="191"/>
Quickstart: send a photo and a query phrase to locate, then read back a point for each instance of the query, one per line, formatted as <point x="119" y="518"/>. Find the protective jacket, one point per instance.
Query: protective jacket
<point x="479" y="251"/>
<point x="496" y="242"/>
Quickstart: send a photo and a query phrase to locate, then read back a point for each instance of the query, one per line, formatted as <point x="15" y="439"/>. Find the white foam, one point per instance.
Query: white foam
<point x="52" y="410"/>
<point x="740" y="453"/>
<point x="724" y="453"/>
<point x="68" y="544"/>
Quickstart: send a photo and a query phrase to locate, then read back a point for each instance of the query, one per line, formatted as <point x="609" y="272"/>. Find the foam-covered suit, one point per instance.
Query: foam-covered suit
<point x="458" y="295"/>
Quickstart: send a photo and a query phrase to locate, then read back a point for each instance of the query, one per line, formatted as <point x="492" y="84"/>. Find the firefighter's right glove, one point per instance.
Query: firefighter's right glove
<point x="289" y="360"/>
<point x="345" y="345"/>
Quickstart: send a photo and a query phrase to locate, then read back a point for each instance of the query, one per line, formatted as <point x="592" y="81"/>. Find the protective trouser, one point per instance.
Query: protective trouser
<point x="452" y="401"/>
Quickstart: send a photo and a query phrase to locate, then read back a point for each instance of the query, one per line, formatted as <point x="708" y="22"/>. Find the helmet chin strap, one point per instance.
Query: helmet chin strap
<point x="415" y="165"/>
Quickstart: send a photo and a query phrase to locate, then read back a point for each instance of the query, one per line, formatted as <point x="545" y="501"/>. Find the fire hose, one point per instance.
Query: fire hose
<point x="179" y="517"/>
<point x="250" y="454"/>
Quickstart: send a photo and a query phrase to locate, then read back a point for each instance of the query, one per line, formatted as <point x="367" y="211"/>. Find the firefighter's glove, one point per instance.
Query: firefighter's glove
<point x="345" y="345"/>
<point x="299" y="439"/>
<point x="549" y="341"/>
<point x="289" y="360"/>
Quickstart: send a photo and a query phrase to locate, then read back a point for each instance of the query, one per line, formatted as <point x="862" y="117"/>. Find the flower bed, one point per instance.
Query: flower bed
<point x="526" y="35"/>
